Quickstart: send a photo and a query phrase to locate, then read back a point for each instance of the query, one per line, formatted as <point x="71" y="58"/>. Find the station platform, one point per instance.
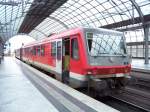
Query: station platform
<point x="139" y="65"/>
<point x="25" y="89"/>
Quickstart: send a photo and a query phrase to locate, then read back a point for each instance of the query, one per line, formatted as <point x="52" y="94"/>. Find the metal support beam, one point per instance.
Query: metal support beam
<point x="11" y="3"/>
<point x="137" y="7"/>
<point x="59" y="21"/>
<point x="1" y="51"/>
<point x="146" y="39"/>
<point x="46" y="8"/>
<point x="128" y="22"/>
<point x="40" y="32"/>
<point x="146" y="30"/>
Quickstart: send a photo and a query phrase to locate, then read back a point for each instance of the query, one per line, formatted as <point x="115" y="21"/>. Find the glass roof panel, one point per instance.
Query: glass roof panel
<point x="92" y="13"/>
<point x="145" y="9"/>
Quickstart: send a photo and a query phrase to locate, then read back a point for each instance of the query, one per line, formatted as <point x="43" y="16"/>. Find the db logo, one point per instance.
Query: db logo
<point x="112" y="70"/>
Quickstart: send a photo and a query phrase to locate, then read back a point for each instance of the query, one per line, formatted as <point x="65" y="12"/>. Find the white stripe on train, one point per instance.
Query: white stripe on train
<point x="48" y="67"/>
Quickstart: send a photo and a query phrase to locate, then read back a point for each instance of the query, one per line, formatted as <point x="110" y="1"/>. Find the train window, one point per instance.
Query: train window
<point x="53" y="49"/>
<point x="74" y="49"/>
<point x="42" y="50"/>
<point x="89" y="37"/>
<point x="59" y="50"/>
<point x="34" y="51"/>
<point x="30" y="50"/>
<point x="26" y="51"/>
<point x="38" y="50"/>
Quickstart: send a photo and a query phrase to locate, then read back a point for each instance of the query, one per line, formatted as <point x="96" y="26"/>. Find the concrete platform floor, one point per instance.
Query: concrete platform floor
<point x="17" y="93"/>
<point x="139" y="64"/>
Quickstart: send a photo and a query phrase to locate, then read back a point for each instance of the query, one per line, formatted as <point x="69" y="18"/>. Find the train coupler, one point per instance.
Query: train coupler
<point x="100" y="86"/>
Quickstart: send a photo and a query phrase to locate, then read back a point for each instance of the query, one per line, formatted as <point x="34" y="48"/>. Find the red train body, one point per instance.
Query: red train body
<point x="81" y="54"/>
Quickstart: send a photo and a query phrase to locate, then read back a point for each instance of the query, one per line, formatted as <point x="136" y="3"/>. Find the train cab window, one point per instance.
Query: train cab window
<point x="100" y="44"/>
<point x="74" y="49"/>
<point x="53" y="49"/>
<point x="42" y="50"/>
<point x="38" y="50"/>
<point x="59" y="50"/>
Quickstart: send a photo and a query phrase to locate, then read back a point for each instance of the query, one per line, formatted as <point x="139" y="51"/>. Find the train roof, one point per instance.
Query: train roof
<point x="72" y="32"/>
<point x="106" y="31"/>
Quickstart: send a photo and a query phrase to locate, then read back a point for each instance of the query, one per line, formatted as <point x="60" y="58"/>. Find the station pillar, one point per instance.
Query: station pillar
<point x="1" y="51"/>
<point x="146" y="43"/>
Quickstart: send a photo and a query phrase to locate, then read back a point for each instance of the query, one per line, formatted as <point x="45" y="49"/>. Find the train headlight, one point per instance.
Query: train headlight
<point x="120" y="75"/>
<point x="89" y="72"/>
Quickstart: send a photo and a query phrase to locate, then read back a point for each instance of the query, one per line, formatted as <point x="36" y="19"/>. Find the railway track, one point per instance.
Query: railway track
<point x="137" y="93"/>
<point x="129" y="100"/>
<point x="141" y="79"/>
<point x="134" y="97"/>
<point x="121" y="105"/>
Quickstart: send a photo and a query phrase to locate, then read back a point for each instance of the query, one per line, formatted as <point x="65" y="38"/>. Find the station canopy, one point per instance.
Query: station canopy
<point x="40" y="18"/>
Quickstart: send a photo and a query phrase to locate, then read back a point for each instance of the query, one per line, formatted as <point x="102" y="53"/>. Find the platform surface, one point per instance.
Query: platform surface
<point x="139" y="64"/>
<point x="24" y="89"/>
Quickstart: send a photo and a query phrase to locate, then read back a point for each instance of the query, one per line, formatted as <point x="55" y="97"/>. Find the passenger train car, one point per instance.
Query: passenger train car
<point x="82" y="55"/>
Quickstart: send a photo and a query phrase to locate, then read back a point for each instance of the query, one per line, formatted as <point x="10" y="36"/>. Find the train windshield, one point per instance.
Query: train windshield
<point x="105" y="44"/>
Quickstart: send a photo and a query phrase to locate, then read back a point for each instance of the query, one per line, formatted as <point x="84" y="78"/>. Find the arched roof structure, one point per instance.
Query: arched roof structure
<point x="114" y="14"/>
<point x="12" y="13"/>
<point x="40" y="18"/>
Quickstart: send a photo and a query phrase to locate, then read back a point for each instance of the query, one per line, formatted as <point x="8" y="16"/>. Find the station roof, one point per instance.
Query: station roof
<point x="40" y="19"/>
<point x="12" y="13"/>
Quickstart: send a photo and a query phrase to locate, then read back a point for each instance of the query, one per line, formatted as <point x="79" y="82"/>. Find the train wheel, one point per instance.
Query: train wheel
<point x="65" y="77"/>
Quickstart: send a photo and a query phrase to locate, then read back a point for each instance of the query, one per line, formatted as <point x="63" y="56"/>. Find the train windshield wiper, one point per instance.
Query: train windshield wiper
<point x="120" y="54"/>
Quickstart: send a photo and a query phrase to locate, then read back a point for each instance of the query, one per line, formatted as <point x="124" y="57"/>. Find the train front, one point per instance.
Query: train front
<point x="108" y="62"/>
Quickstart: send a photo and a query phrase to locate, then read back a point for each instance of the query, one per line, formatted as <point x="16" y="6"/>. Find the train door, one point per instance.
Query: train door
<point x="66" y="60"/>
<point x="20" y="53"/>
<point x="59" y="56"/>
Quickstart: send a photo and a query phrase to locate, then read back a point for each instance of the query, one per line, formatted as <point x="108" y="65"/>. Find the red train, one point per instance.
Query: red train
<point x="82" y="57"/>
